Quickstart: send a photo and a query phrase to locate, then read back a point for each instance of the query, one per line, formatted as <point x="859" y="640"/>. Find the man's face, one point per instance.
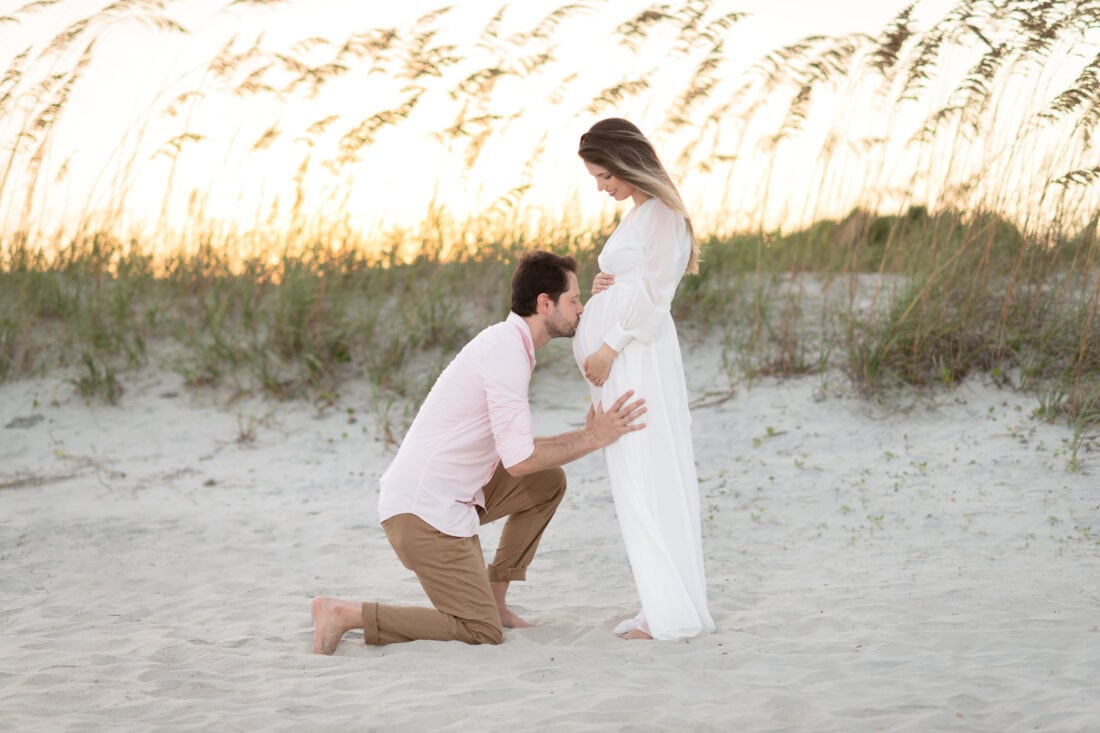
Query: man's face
<point x="563" y="319"/>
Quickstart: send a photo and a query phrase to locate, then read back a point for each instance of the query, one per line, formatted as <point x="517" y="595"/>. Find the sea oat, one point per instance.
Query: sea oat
<point x="1079" y="177"/>
<point x="613" y="96"/>
<point x="884" y="56"/>
<point x="268" y="137"/>
<point x="632" y="33"/>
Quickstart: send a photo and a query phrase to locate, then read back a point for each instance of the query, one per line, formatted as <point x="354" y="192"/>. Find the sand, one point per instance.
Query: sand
<point x="928" y="563"/>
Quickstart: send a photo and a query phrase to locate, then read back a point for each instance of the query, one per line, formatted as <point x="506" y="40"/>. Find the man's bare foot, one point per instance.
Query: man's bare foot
<point x="635" y="634"/>
<point x="508" y="619"/>
<point x="332" y="618"/>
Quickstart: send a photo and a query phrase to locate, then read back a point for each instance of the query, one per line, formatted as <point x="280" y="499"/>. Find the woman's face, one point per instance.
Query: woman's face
<point x="616" y="188"/>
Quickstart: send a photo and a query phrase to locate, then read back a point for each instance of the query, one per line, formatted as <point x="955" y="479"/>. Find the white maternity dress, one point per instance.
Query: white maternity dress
<point x="652" y="471"/>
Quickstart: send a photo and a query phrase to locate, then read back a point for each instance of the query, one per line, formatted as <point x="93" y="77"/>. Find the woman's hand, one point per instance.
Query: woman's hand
<point x="602" y="282"/>
<point x="598" y="365"/>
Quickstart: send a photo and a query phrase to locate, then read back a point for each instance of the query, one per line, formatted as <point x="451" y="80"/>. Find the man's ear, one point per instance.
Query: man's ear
<point x="545" y="305"/>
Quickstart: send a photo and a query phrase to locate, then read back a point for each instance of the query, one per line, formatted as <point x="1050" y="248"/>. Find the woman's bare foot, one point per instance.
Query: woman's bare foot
<point x="635" y="634"/>
<point x="332" y="618"/>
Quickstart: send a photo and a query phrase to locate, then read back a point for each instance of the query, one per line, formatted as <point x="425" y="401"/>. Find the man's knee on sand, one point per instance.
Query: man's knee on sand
<point x="481" y="632"/>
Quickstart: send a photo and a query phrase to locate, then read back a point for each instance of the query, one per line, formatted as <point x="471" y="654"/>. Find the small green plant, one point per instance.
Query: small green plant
<point x="246" y="430"/>
<point x="98" y="381"/>
<point x="247" y="427"/>
<point x="1086" y="429"/>
<point x="1052" y="401"/>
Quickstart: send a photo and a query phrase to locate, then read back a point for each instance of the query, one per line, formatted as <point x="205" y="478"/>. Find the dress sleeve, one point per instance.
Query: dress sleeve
<point x="666" y="250"/>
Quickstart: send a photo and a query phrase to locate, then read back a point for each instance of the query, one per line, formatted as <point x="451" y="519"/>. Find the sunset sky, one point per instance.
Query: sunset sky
<point x="151" y="135"/>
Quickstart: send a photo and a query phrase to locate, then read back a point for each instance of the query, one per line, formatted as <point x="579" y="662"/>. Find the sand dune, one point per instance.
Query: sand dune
<point x="925" y="565"/>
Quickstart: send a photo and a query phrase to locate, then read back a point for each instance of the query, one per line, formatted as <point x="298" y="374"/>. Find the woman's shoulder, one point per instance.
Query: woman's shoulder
<point x="654" y="206"/>
<point x="653" y="211"/>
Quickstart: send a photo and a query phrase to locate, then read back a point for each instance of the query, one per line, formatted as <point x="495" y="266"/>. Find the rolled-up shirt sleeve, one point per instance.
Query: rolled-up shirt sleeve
<point x="667" y="247"/>
<point x="506" y="381"/>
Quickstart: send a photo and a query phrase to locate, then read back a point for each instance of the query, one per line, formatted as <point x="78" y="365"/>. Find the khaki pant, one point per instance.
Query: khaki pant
<point x="452" y="569"/>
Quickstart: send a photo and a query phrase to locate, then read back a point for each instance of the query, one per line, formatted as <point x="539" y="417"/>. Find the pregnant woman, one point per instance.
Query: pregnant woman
<point x="627" y="340"/>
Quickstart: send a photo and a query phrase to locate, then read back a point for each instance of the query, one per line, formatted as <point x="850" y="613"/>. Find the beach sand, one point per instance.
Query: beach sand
<point x="927" y="563"/>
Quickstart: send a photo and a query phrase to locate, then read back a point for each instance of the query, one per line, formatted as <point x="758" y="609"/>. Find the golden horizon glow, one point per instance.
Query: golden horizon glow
<point x="223" y="132"/>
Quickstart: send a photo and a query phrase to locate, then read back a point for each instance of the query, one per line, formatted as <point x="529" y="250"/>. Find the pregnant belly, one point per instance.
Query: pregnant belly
<point x="600" y="316"/>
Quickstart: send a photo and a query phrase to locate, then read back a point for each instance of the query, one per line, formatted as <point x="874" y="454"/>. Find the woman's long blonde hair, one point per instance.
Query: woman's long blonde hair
<point x="620" y="147"/>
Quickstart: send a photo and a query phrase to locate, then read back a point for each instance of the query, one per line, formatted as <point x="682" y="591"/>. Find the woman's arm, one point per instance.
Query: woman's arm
<point x="667" y="246"/>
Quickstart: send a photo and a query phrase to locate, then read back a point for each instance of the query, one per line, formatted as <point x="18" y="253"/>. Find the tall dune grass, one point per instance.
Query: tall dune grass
<point x="908" y="209"/>
<point x="991" y="109"/>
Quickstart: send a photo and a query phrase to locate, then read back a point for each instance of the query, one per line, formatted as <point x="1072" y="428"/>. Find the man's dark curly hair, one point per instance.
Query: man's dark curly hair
<point x="540" y="272"/>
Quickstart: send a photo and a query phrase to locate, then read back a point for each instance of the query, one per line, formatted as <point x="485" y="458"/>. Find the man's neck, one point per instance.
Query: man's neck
<point x="539" y="336"/>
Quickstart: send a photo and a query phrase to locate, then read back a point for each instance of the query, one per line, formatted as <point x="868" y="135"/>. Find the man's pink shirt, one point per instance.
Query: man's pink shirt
<point x="476" y="416"/>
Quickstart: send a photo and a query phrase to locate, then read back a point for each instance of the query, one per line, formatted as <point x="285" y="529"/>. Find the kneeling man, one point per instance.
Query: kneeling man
<point x="470" y="458"/>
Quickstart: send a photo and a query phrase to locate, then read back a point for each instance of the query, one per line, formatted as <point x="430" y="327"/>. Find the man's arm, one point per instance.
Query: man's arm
<point x="601" y="429"/>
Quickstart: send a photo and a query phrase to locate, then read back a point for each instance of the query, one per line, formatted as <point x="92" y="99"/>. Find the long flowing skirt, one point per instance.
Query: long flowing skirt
<point x="653" y="480"/>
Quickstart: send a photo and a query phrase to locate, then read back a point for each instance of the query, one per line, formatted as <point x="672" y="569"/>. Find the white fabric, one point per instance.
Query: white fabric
<point x="652" y="471"/>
